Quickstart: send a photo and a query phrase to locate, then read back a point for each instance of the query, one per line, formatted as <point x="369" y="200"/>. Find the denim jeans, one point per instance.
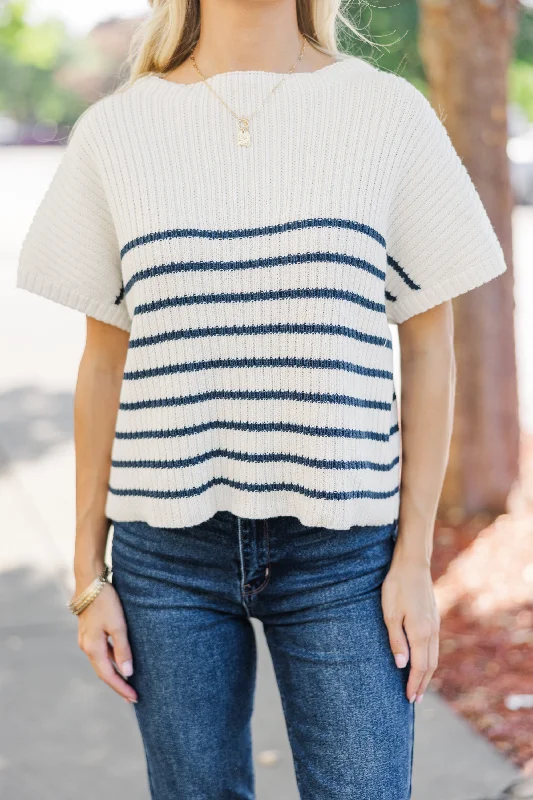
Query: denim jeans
<point x="188" y="595"/>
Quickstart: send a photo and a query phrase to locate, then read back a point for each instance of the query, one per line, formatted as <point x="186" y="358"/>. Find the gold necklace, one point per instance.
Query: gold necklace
<point x="243" y="134"/>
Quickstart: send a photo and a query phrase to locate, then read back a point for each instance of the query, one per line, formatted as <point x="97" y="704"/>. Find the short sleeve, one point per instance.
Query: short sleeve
<point x="71" y="253"/>
<point x="440" y="240"/>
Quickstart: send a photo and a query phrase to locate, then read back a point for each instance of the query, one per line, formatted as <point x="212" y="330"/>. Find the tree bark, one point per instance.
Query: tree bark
<point x="466" y="47"/>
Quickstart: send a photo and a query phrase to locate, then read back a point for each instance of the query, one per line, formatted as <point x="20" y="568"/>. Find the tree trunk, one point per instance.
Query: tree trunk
<point x="466" y="47"/>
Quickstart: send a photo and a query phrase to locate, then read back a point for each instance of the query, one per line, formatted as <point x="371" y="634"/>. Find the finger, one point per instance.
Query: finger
<point x="433" y="658"/>
<point x="122" y="651"/>
<point x="132" y="696"/>
<point x="101" y="663"/>
<point x="419" y="665"/>
<point x="107" y="673"/>
<point x="398" y="642"/>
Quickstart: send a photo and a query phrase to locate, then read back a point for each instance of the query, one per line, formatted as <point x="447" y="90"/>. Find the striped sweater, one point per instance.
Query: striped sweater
<point x="258" y="283"/>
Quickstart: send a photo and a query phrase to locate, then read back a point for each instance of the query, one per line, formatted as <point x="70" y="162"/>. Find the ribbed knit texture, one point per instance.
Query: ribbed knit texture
<point x="258" y="283"/>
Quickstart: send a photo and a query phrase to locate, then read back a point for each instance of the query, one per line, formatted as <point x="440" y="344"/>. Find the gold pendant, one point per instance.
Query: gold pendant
<point x="243" y="136"/>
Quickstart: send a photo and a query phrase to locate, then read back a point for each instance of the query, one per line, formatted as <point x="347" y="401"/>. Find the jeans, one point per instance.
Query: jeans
<point x="188" y="595"/>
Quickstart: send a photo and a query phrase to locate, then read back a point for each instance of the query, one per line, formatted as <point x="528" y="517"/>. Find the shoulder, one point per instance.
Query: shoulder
<point x="403" y="93"/>
<point x="408" y="114"/>
<point x="102" y="120"/>
<point x="399" y="98"/>
<point x="412" y="107"/>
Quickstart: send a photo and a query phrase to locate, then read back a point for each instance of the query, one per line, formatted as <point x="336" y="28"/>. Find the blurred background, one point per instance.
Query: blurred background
<point x="63" y="734"/>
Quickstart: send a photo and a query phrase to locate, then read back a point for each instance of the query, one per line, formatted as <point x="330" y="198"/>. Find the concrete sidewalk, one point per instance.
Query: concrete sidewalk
<point x="63" y="734"/>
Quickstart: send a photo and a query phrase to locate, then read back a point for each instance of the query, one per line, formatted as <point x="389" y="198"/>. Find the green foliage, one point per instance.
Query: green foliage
<point x="39" y="47"/>
<point x="524" y="38"/>
<point x="29" y="58"/>
<point x="521" y="86"/>
<point x="391" y="26"/>
<point x="521" y="72"/>
<point x="36" y="46"/>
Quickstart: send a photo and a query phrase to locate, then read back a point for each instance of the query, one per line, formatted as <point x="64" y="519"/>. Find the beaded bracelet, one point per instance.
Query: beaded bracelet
<point x="80" y="603"/>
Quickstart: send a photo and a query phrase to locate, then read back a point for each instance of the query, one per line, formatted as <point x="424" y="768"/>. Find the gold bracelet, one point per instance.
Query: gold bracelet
<point x="80" y="603"/>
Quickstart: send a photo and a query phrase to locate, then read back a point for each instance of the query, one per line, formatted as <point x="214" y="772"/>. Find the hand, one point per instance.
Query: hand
<point x="412" y="619"/>
<point x="102" y="618"/>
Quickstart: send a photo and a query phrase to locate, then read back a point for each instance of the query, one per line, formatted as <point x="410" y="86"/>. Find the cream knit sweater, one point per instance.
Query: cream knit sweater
<point x="258" y="282"/>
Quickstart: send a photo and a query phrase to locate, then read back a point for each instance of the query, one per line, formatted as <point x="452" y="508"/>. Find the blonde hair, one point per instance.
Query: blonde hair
<point x="166" y="38"/>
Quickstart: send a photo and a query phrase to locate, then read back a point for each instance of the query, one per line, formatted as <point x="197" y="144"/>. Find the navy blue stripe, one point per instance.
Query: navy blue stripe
<point x="270" y="261"/>
<point x="228" y="363"/>
<point x="120" y="296"/>
<point x="244" y="297"/>
<point x="257" y="427"/>
<point x="299" y="224"/>
<point x="402" y="273"/>
<point x="246" y="330"/>
<point x="221" y="394"/>
<point x="258" y="458"/>
<point x="390" y="297"/>
<point x="254" y="487"/>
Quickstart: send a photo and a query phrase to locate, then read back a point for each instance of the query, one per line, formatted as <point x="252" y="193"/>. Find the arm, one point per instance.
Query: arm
<point x="427" y="400"/>
<point x="95" y="411"/>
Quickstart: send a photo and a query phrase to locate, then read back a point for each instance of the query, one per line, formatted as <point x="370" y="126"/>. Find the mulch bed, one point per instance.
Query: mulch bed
<point x="483" y="572"/>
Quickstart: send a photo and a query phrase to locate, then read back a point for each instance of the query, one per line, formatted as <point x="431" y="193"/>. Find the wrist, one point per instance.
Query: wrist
<point x="90" y="550"/>
<point x="414" y="550"/>
<point x="81" y="599"/>
<point x="87" y="571"/>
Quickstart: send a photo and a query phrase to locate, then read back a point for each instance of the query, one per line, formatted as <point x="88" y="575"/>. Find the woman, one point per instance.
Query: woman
<point x="240" y="224"/>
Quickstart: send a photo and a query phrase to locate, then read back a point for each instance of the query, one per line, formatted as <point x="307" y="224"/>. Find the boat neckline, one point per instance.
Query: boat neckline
<point x="252" y="72"/>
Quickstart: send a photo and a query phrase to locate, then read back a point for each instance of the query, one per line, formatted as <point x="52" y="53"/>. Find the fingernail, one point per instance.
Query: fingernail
<point x="413" y="698"/>
<point x="130" y="700"/>
<point x="127" y="668"/>
<point x="420" y="698"/>
<point x="401" y="660"/>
